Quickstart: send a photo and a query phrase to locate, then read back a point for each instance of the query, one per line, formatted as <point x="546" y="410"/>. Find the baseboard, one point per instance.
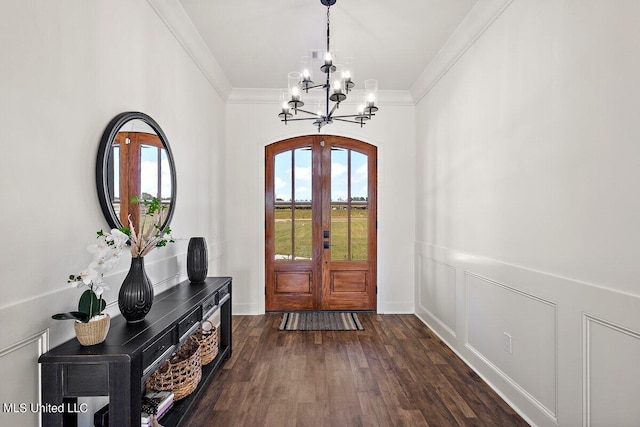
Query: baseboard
<point x="396" y="308"/>
<point x="246" y="309"/>
<point x="470" y="365"/>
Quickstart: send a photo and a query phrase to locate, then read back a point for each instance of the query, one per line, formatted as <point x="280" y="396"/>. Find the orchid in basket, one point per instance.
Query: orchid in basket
<point x="106" y="255"/>
<point x="150" y="234"/>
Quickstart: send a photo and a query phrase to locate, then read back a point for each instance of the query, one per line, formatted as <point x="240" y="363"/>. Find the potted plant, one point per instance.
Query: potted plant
<point x="91" y="324"/>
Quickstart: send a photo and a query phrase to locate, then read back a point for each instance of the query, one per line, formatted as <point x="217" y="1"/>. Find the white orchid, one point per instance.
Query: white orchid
<point x="106" y="255"/>
<point x="117" y="239"/>
<point x="88" y="275"/>
<point x="99" y="290"/>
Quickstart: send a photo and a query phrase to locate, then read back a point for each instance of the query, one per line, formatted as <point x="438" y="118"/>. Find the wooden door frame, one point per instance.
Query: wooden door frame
<point x="320" y="221"/>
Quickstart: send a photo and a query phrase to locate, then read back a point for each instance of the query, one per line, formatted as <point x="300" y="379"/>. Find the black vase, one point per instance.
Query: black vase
<point x="136" y="293"/>
<point x="197" y="260"/>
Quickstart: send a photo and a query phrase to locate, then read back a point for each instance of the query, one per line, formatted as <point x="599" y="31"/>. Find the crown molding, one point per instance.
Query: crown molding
<point x="392" y="98"/>
<point x="479" y="19"/>
<point x="177" y="21"/>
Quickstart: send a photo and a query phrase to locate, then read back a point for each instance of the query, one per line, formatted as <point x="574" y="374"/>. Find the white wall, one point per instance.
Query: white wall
<point x="528" y="207"/>
<point x="252" y="123"/>
<point x="68" y="68"/>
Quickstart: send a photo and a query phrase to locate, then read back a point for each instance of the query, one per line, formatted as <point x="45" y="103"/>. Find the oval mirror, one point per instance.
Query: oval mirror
<point x="134" y="163"/>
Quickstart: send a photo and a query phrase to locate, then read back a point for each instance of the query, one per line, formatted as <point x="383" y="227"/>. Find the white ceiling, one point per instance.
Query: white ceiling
<point x="258" y="42"/>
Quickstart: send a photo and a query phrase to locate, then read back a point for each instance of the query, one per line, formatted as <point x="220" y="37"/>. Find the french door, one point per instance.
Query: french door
<point x="321" y="216"/>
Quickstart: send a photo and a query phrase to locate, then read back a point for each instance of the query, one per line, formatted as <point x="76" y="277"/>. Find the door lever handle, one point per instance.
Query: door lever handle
<point x="326" y="245"/>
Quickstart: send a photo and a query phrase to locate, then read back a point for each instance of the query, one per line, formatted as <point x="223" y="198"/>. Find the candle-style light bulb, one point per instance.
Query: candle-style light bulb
<point x="295" y="93"/>
<point x="328" y="66"/>
<point x="337" y="95"/>
<point x="284" y="113"/>
<point x="371" y="99"/>
<point x="305" y="74"/>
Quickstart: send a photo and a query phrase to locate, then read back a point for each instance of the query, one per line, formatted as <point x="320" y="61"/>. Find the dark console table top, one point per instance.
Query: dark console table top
<point x="125" y="339"/>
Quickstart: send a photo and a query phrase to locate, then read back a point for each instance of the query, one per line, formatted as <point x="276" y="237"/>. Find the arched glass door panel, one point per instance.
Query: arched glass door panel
<point x="320" y="221"/>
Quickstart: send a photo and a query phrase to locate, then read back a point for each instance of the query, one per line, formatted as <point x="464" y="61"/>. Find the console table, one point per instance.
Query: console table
<point x="119" y="366"/>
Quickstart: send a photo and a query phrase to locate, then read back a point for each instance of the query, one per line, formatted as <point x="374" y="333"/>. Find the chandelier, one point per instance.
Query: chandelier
<point x="336" y="83"/>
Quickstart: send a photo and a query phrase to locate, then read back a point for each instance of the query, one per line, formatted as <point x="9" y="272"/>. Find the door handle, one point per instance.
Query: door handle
<point x="326" y="244"/>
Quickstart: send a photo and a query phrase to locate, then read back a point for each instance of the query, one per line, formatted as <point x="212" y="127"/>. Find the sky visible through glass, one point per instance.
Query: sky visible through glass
<point x="339" y="177"/>
<point x="148" y="172"/>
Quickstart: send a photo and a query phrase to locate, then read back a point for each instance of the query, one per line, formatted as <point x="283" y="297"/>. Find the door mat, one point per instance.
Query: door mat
<point x="320" y="321"/>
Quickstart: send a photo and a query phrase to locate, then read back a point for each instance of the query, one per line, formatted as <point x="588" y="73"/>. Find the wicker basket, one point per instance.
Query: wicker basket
<point x="181" y="373"/>
<point x="208" y="339"/>
<point x="93" y="332"/>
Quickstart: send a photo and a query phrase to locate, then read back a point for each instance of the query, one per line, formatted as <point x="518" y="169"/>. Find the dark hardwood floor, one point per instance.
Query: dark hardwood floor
<point x="394" y="373"/>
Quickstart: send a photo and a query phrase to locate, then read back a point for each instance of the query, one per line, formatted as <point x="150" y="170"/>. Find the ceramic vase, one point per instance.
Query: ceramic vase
<point x="197" y="260"/>
<point x="136" y="293"/>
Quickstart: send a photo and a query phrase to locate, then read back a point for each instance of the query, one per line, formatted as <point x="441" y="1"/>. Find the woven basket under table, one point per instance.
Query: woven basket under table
<point x="181" y="373"/>
<point x="208" y="339"/>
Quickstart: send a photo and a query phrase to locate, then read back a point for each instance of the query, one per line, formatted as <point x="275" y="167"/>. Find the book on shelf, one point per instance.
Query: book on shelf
<point x="158" y="401"/>
<point x="146" y="419"/>
<point x="155" y="402"/>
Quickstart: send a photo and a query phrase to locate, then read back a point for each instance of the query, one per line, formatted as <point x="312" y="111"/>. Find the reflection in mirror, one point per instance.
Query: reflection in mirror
<point x="134" y="163"/>
<point x="140" y="171"/>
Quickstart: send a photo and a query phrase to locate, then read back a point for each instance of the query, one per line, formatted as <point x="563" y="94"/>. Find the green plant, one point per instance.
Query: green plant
<point x="90" y="305"/>
<point x="148" y="236"/>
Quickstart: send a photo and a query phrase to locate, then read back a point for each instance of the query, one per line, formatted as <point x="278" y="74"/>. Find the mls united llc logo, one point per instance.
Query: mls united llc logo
<point x="45" y="408"/>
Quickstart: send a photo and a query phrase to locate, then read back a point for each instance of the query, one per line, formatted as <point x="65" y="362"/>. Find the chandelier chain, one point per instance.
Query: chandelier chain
<point x="328" y="27"/>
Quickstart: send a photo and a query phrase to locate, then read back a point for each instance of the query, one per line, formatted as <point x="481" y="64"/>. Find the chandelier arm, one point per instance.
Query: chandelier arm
<point x="314" y="86"/>
<point x="301" y="119"/>
<point x="335" y="106"/>
<point x="348" y="121"/>
<point x="307" y="112"/>
<point x="350" y="116"/>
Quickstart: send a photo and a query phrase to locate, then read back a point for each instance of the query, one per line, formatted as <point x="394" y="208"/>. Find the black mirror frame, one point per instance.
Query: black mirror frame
<point x="102" y="162"/>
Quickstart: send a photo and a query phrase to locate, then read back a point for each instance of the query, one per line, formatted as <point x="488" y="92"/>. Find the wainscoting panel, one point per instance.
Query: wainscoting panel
<point x="612" y="374"/>
<point x="19" y="405"/>
<point x="575" y="346"/>
<point x="509" y="329"/>
<point x="437" y="292"/>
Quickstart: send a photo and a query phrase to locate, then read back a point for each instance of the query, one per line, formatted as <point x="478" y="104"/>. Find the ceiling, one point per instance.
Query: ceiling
<point x="256" y="43"/>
